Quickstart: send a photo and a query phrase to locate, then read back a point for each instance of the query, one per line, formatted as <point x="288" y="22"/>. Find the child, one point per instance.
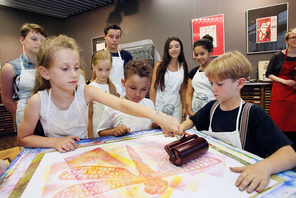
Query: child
<point x="17" y="76"/>
<point x="61" y="104"/>
<point x="137" y="77"/>
<point x="198" y="92"/>
<point x="101" y="64"/>
<point x="112" y="36"/>
<point x="169" y="80"/>
<point x="227" y="75"/>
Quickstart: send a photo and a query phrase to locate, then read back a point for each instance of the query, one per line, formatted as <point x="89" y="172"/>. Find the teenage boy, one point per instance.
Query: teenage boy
<point x="112" y="36"/>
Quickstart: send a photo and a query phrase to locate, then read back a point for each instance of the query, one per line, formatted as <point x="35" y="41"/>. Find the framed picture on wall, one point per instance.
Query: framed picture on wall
<point x="98" y="43"/>
<point x="266" y="27"/>
<point x="212" y="25"/>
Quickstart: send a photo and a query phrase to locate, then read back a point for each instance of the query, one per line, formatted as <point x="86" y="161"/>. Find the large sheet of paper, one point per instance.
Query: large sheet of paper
<point x="133" y="168"/>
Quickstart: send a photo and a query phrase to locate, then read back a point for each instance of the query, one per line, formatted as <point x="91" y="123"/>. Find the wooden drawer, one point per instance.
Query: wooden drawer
<point x="7" y="125"/>
<point x="257" y="93"/>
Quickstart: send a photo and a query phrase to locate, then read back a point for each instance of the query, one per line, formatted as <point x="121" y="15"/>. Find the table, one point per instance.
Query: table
<point x="138" y="171"/>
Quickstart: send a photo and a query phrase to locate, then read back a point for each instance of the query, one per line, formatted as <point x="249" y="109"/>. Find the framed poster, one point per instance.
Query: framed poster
<point x="212" y="25"/>
<point x="97" y="43"/>
<point x="266" y="27"/>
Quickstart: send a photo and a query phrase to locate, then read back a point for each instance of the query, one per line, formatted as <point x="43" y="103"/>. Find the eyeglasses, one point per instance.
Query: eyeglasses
<point x="292" y="38"/>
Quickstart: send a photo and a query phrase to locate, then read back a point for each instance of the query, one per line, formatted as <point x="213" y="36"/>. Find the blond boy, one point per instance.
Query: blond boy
<point x="227" y="75"/>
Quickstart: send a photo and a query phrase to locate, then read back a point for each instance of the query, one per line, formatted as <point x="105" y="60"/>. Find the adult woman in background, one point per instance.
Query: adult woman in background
<point x="282" y="70"/>
<point x="199" y="91"/>
<point x="169" y="80"/>
<point x="17" y="76"/>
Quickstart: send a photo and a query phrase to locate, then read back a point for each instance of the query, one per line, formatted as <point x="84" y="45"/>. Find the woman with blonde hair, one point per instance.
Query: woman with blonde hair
<point x="282" y="70"/>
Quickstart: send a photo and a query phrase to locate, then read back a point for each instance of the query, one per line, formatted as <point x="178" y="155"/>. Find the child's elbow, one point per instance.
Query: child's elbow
<point x="19" y="141"/>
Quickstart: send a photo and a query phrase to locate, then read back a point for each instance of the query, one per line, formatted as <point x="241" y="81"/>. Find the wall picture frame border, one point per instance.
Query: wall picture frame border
<point x="97" y="43"/>
<point x="266" y="27"/>
<point x="212" y="25"/>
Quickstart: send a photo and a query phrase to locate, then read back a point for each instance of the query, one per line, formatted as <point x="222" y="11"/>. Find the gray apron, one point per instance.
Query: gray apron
<point x="25" y="86"/>
<point x="168" y="101"/>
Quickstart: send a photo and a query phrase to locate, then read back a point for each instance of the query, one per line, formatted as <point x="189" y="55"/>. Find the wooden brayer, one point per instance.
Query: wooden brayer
<point x="186" y="149"/>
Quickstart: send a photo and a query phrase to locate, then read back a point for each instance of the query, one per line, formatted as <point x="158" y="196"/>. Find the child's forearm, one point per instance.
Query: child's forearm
<point x="167" y="123"/>
<point x="282" y="159"/>
<point x="37" y="141"/>
<point x="187" y="124"/>
<point x="106" y="132"/>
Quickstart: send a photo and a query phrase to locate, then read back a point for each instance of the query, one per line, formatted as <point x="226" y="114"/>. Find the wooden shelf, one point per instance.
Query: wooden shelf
<point x="7" y="125"/>
<point x="258" y="93"/>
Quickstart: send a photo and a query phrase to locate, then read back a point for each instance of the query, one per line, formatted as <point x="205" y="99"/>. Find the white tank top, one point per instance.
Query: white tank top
<point x="98" y="108"/>
<point x="61" y="123"/>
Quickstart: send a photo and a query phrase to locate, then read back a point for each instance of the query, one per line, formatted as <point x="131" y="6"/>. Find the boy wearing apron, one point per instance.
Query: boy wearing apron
<point x="18" y="76"/>
<point x="112" y="36"/>
<point x="222" y="119"/>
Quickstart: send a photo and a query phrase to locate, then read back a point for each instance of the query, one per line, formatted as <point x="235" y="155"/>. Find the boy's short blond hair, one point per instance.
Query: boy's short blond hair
<point x="232" y="65"/>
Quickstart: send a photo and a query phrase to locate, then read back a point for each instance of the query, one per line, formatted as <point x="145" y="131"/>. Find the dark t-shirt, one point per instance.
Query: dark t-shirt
<point x="263" y="136"/>
<point x="192" y="72"/>
<point x="125" y="55"/>
<point x="276" y="62"/>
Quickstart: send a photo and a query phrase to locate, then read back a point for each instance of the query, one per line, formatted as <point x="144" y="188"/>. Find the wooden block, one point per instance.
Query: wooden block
<point x="10" y="153"/>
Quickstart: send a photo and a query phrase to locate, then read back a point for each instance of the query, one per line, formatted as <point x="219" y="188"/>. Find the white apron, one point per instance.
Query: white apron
<point x="117" y="73"/>
<point x="98" y="108"/>
<point x="25" y="86"/>
<point x="135" y="123"/>
<point x="168" y="101"/>
<point x="81" y="80"/>
<point x="61" y="123"/>
<point x="232" y="138"/>
<point x="202" y="93"/>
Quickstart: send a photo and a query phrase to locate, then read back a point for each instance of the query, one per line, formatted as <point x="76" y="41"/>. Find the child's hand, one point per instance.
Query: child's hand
<point x="65" y="144"/>
<point x="252" y="177"/>
<point x="121" y="130"/>
<point x="168" y="124"/>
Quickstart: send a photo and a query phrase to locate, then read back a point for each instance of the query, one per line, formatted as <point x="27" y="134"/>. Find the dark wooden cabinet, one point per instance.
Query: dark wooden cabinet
<point x="7" y="125"/>
<point x="258" y="93"/>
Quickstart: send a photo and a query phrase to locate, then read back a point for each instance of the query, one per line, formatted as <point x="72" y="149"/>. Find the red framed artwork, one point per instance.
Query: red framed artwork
<point x="212" y="25"/>
<point x="266" y="29"/>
